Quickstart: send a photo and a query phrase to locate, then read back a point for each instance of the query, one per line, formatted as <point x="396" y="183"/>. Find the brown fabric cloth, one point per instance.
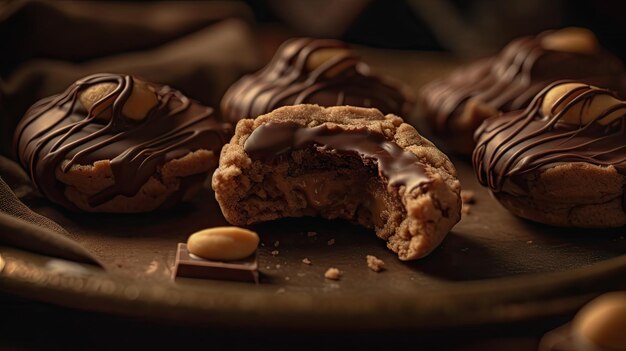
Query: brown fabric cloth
<point x="22" y="228"/>
<point x="199" y="48"/>
<point x="11" y="205"/>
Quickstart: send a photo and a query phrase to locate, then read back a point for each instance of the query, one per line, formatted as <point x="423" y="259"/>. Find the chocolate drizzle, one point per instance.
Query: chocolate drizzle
<point x="59" y="128"/>
<point x="524" y="141"/>
<point x="272" y="140"/>
<point x="510" y="80"/>
<point x="286" y="80"/>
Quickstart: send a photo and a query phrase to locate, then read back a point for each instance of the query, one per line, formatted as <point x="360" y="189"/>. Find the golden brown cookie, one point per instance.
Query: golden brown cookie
<point x="562" y="161"/>
<point x="340" y="162"/>
<point x="114" y="143"/>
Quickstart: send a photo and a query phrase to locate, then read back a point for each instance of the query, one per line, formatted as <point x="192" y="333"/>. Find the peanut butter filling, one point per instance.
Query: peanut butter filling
<point x="323" y="191"/>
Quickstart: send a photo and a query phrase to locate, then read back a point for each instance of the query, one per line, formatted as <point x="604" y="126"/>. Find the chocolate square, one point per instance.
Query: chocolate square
<point x="190" y="266"/>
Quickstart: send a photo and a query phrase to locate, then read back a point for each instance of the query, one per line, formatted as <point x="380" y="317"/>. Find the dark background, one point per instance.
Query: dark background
<point x="467" y="29"/>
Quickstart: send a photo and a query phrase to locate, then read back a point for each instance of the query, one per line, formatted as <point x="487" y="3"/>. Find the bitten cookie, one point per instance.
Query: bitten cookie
<point x="562" y="161"/>
<point x="340" y="162"/>
<point x="114" y="143"/>
<point x="456" y="105"/>
<point x="313" y="71"/>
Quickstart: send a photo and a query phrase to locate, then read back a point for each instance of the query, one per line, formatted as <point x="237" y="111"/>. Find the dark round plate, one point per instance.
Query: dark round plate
<point x="492" y="268"/>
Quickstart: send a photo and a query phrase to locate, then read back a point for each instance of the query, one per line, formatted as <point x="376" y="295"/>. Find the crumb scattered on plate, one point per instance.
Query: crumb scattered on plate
<point x="466" y="209"/>
<point x="275" y="253"/>
<point x="306" y="261"/>
<point x="276" y="243"/>
<point x="277" y="266"/>
<point x="331" y="242"/>
<point x="375" y="263"/>
<point x="332" y="273"/>
<point x="468" y="196"/>
<point x="311" y="234"/>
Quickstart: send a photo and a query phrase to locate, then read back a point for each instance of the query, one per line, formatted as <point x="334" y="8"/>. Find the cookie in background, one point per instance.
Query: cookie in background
<point x="456" y="105"/>
<point x="561" y="161"/>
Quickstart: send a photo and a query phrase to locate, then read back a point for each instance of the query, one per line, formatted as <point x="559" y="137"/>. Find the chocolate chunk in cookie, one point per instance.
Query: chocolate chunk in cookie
<point x="456" y="105"/>
<point x="562" y="161"/>
<point x="313" y="71"/>
<point x="340" y="162"/>
<point x="114" y="143"/>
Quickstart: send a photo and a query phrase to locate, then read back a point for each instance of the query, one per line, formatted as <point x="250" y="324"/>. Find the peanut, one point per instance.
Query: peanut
<point x="136" y="107"/>
<point x="603" y="321"/>
<point x="321" y="56"/>
<point x="572" y="39"/>
<point x="94" y="94"/>
<point x="140" y="101"/>
<point x="584" y="111"/>
<point x="223" y="243"/>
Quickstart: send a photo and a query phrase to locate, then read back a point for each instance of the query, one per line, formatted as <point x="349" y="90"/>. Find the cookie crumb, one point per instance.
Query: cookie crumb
<point x="465" y="249"/>
<point x="277" y="266"/>
<point x="300" y="274"/>
<point x="276" y="243"/>
<point x="529" y="242"/>
<point x="331" y="242"/>
<point x="332" y="273"/>
<point x="287" y="278"/>
<point x="375" y="263"/>
<point x="311" y="234"/>
<point x="275" y="253"/>
<point x="468" y="196"/>
<point x="268" y="267"/>
<point x="306" y="261"/>
<point x="280" y="291"/>
<point x="465" y="209"/>
<point x="262" y="244"/>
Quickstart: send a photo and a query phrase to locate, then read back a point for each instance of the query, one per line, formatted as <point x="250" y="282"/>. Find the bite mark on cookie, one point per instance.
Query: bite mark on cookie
<point x="392" y="180"/>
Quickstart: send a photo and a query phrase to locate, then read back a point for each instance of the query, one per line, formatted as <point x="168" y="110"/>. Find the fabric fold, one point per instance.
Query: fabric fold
<point x="24" y="229"/>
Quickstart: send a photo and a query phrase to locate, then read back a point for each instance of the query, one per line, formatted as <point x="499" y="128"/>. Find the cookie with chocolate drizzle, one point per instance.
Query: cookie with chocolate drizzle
<point x="114" y="143"/>
<point x="313" y="71"/>
<point x="456" y="105"/>
<point x="562" y="160"/>
<point x="340" y="162"/>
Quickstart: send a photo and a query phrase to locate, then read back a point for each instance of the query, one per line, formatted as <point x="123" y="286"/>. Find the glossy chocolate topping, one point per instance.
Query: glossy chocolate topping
<point x="576" y="128"/>
<point x="60" y="128"/>
<point x="339" y="79"/>
<point x="510" y="80"/>
<point x="398" y="166"/>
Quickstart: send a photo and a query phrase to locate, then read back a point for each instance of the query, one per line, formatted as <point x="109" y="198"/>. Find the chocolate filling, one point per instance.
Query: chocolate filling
<point x="332" y="172"/>
<point x="510" y="80"/>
